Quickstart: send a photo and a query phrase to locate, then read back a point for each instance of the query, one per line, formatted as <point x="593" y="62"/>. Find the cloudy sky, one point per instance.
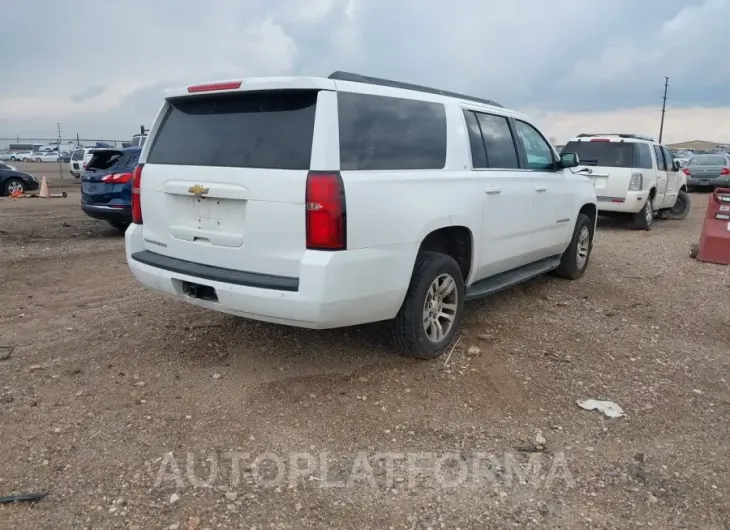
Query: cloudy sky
<point x="100" y="67"/>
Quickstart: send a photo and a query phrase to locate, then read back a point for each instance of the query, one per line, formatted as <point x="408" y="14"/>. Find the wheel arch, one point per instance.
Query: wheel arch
<point x="590" y="209"/>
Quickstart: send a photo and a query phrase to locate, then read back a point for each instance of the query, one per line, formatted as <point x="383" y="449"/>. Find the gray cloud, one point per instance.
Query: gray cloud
<point x="87" y="94"/>
<point x="558" y="56"/>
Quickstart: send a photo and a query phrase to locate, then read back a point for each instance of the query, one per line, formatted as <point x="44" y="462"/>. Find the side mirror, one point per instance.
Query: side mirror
<point x="677" y="166"/>
<point x="569" y="160"/>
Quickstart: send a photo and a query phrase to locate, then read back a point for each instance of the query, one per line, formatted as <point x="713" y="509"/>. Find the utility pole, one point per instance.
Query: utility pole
<point x="58" y="152"/>
<point x="664" y="108"/>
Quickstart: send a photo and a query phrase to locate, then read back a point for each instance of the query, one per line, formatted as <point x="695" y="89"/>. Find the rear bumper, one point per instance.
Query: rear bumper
<point x="106" y="213"/>
<point x="705" y="183"/>
<point x="633" y="202"/>
<point x="334" y="289"/>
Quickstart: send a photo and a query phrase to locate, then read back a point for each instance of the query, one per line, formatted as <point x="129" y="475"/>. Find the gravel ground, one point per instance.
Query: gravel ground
<point x="118" y="402"/>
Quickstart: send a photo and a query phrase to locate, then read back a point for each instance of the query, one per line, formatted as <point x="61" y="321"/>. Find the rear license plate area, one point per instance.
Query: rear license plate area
<point x="199" y="291"/>
<point x="704" y="182"/>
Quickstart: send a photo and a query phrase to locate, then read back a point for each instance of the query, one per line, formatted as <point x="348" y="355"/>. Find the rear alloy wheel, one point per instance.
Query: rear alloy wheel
<point x="38" y="160"/>
<point x="681" y="207"/>
<point x="643" y="219"/>
<point x="430" y="316"/>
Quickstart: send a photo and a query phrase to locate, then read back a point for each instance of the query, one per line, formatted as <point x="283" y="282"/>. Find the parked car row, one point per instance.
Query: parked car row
<point x="423" y="200"/>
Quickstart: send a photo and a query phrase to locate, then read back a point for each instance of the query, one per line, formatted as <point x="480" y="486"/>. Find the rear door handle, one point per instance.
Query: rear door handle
<point x="493" y="190"/>
<point x="540" y="188"/>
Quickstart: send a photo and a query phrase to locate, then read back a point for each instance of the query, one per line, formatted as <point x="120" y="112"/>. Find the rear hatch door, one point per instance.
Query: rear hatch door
<point x="108" y="176"/>
<point x="610" y="163"/>
<point x="77" y="160"/>
<point x="223" y="182"/>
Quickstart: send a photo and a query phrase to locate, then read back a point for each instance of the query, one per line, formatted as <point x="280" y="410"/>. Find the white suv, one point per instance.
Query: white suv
<point x="330" y="202"/>
<point x="633" y="175"/>
<point x="80" y="159"/>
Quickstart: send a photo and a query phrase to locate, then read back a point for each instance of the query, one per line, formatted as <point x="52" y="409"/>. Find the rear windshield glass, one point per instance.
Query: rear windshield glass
<point x="78" y="155"/>
<point x="708" y="161"/>
<point x="604" y="154"/>
<point x="113" y="160"/>
<point x="104" y="160"/>
<point x="270" y="129"/>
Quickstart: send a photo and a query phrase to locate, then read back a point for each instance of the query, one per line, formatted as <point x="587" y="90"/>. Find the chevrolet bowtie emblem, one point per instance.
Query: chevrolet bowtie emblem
<point x="198" y="190"/>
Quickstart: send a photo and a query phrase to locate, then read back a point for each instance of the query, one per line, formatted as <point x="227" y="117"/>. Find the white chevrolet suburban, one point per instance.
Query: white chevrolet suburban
<point x="329" y="202"/>
<point x="633" y="175"/>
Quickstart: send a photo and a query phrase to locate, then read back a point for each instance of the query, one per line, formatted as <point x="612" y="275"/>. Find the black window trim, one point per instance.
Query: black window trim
<point x="510" y="124"/>
<point x="669" y="163"/>
<point x="464" y="110"/>
<point x="555" y="166"/>
<point x="658" y="147"/>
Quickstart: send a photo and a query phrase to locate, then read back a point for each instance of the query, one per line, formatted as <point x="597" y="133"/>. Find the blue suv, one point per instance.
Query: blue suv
<point x="106" y="186"/>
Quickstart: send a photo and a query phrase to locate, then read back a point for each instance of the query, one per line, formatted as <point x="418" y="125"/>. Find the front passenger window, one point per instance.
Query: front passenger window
<point x="538" y="152"/>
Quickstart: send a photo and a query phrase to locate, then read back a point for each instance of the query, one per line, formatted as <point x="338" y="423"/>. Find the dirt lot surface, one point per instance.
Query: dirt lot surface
<point x="118" y="401"/>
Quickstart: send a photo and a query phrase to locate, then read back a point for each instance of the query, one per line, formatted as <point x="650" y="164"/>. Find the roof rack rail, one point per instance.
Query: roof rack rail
<point x="620" y="135"/>
<point x="357" y="78"/>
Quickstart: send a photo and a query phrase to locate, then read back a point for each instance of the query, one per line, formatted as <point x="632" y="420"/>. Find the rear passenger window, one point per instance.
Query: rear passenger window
<point x="267" y="129"/>
<point x="498" y="141"/>
<point x="661" y="166"/>
<point x="643" y="156"/>
<point x="537" y="150"/>
<point x="478" y="154"/>
<point x="385" y="133"/>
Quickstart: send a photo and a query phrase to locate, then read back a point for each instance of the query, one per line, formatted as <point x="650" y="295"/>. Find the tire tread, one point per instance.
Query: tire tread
<point x="402" y="332"/>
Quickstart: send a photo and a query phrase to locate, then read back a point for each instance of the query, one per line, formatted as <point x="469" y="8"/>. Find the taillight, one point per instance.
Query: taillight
<point x="637" y="182"/>
<point x="85" y="165"/>
<point x="725" y="171"/>
<point x="209" y="87"/>
<point x="686" y="171"/>
<point x="136" y="198"/>
<point x="325" y="211"/>
<point x="117" y="178"/>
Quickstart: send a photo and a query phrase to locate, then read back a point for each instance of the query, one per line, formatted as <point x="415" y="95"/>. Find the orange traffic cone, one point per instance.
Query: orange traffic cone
<point x="44" y="188"/>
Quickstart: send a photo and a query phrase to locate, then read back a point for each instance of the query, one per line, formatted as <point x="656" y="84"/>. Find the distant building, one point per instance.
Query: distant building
<point x="697" y="145"/>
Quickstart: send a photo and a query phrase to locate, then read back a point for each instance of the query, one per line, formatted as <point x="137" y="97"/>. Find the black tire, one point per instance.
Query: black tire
<point x="570" y="267"/>
<point x="408" y="331"/>
<point x="15" y="184"/>
<point x="119" y="225"/>
<point x="38" y="160"/>
<point x="694" y="249"/>
<point x="680" y="210"/>
<point x="25" y="160"/>
<point x="644" y="219"/>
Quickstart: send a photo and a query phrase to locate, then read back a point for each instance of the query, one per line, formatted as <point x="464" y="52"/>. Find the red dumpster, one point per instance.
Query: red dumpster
<point x="714" y="246"/>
